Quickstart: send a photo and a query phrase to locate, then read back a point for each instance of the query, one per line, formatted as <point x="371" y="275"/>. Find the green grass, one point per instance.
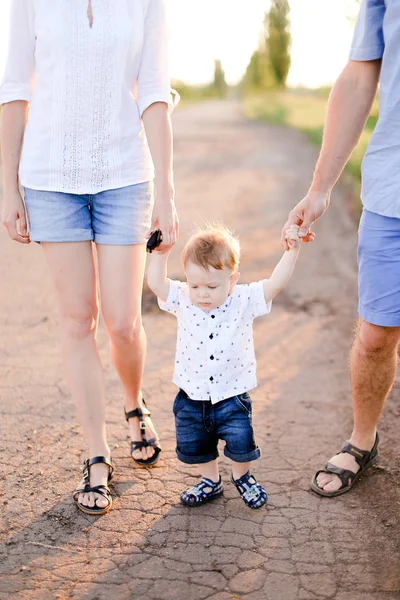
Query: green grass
<point x="305" y="110"/>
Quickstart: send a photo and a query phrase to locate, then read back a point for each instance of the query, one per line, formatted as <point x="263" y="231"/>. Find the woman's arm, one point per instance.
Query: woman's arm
<point x="157" y="124"/>
<point x="13" y="118"/>
<point x="15" y="94"/>
<point x="155" y="101"/>
<point x="157" y="278"/>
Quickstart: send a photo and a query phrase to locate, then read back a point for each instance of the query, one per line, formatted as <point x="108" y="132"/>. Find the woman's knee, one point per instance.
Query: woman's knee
<point x="80" y="324"/>
<point x="124" y="330"/>
<point x="376" y="340"/>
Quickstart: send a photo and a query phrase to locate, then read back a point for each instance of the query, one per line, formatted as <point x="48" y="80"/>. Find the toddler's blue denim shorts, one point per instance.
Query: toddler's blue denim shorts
<point x="379" y="269"/>
<point x="117" y="217"/>
<point x="200" y="424"/>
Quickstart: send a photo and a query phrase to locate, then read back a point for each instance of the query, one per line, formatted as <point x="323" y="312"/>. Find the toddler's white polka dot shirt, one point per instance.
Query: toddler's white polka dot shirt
<point x="215" y="356"/>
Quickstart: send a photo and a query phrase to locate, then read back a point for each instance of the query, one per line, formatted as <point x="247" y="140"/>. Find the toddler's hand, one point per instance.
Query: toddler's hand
<point x="292" y="236"/>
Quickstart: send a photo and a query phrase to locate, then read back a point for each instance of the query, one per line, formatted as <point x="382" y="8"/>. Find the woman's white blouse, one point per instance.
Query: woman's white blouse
<point x="88" y="88"/>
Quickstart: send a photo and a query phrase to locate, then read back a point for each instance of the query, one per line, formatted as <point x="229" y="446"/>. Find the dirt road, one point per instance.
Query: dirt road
<point x="300" y="547"/>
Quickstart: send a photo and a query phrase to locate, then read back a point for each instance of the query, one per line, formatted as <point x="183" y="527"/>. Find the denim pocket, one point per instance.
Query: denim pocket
<point x="244" y="401"/>
<point x="180" y="397"/>
<point x="175" y="406"/>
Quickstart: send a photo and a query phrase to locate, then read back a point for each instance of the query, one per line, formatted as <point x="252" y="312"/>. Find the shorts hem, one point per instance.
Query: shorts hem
<point x="197" y="460"/>
<point x="46" y="238"/>
<point x="113" y="241"/>
<point x="242" y="458"/>
<point x="378" y="318"/>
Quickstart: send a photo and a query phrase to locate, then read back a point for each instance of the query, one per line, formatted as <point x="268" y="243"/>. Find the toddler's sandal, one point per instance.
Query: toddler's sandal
<point x="202" y="492"/>
<point x="253" y="493"/>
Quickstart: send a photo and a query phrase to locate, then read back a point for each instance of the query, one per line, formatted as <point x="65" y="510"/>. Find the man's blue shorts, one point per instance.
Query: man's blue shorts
<point x="379" y="269"/>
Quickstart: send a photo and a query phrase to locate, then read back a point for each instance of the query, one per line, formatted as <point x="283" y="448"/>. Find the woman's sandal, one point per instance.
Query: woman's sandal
<point x="102" y="490"/>
<point x="202" y="492"/>
<point x="252" y="492"/>
<point x="152" y="443"/>
<point x="348" y="478"/>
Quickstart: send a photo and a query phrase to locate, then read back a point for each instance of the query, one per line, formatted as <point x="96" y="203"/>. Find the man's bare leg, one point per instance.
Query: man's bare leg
<point x="373" y="363"/>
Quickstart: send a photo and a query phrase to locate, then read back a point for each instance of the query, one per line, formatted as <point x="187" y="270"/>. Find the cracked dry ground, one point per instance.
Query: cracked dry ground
<point x="149" y="547"/>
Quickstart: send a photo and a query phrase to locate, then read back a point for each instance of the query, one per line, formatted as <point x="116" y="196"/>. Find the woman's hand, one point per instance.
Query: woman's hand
<point x="14" y="217"/>
<point x="165" y="218"/>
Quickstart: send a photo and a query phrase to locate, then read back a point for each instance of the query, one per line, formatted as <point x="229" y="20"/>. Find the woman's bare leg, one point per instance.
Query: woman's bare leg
<point x="72" y="270"/>
<point x="121" y="272"/>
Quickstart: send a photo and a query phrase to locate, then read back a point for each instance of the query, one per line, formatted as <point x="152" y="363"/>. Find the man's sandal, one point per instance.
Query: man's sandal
<point x="102" y="490"/>
<point x="144" y="443"/>
<point x="348" y="478"/>
<point x="202" y="492"/>
<point x="252" y="493"/>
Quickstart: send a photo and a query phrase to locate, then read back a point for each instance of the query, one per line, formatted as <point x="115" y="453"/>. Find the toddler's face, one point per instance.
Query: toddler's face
<point x="209" y="289"/>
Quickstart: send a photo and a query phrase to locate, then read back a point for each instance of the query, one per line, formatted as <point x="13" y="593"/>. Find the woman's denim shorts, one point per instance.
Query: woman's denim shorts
<point x="117" y="217"/>
<point x="200" y="424"/>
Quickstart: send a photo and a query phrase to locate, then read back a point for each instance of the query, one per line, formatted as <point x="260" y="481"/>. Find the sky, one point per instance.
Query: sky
<point x="201" y="31"/>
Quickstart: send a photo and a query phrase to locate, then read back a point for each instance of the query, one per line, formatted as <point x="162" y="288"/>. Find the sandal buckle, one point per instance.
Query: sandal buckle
<point x="142" y="425"/>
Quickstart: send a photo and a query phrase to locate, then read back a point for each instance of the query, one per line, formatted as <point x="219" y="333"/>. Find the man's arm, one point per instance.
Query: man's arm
<point x="157" y="278"/>
<point x="349" y="105"/>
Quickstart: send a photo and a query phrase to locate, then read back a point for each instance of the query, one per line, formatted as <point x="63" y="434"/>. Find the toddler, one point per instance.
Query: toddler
<point x="215" y="366"/>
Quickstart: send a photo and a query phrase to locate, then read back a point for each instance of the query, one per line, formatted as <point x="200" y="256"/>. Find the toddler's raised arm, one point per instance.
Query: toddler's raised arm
<point x="285" y="267"/>
<point x="157" y="274"/>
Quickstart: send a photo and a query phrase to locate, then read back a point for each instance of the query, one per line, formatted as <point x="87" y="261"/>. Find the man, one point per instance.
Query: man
<point x="374" y="57"/>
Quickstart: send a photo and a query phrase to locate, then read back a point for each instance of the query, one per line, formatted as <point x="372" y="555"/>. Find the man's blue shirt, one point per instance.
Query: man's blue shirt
<point x="377" y="35"/>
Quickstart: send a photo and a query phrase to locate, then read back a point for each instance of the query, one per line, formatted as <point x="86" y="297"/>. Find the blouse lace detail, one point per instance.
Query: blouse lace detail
<point x="88" y="88"/>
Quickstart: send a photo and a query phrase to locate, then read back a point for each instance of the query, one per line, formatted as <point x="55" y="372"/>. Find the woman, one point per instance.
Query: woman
<point x="96" y="76"/>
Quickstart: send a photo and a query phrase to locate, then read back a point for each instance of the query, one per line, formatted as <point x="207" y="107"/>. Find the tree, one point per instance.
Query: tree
<point x="278" y="39"/>
<point x="258" y="74"/>
<point x="219" y="83"/>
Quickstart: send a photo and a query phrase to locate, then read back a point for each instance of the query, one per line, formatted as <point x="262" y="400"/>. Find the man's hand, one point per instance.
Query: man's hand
<point x="311" y="208"/>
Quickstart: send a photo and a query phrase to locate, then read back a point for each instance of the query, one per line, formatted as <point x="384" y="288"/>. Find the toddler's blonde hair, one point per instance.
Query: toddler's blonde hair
<point x="213" y="245"/>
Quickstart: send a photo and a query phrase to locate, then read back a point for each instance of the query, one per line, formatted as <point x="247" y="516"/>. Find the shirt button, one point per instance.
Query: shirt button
<point x="213" y="316"/>
<point x="211" y="357"/>
<point x="211" y="336"/>
<point x="211" y="378"/>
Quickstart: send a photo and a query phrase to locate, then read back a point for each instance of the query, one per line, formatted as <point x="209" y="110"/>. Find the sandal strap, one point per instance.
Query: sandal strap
<point x="153" y="443"/>
<point x="100" y="459"/>
<point x="249" y="489"/>
<point x="95" y="460"/>
<point x="137" y="412"/>
<point x="345" y="475"/>
<point x="140" y="413"/>
<point x="138" y="445"/>
<point x="198" y="491"/>
<point x="103" y="490"/>
<point x="362" y="457"/>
